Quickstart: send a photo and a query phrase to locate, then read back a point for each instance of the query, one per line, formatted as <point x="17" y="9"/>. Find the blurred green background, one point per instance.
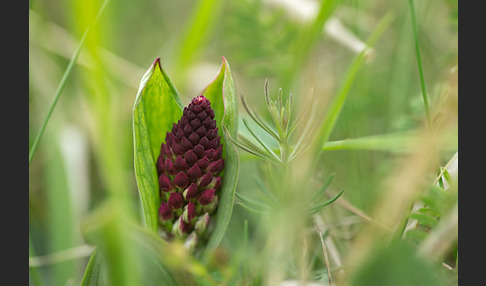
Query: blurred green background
<point x="86" y="154"/>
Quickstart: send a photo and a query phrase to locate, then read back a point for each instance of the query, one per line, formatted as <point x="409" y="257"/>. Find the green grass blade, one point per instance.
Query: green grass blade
<point x="62" y="83"/>
<point x="419" y="61"/>
<point x="337" y="103"/>
<point x="157" y="106"/>
<point x="319" y="206"/>
<point x="322" y="189"/>
<point x="92" y="274"/>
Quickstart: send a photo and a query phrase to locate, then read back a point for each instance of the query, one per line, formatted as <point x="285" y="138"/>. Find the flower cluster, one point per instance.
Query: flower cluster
<point x="188" y="167"/>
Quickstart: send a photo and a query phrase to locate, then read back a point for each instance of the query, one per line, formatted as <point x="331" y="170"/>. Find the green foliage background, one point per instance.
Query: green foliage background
<point x="85" y="157"/>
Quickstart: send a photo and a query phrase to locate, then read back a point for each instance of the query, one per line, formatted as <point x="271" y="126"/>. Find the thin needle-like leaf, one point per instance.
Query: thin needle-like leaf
<point x="251" y="209"/>
<point x="308" y="127"/>
<point x="322" y="189"/>
<point x="259" y="141"/>
<point x="258" y="120"/>
<point x="318" y="207"/>
<point x="248" y="144"/>
<point x="301" y="114"/>
<point x="251" y="202"/>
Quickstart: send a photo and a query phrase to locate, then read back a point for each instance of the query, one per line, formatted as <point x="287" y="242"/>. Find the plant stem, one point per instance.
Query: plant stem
<point x="61" y="85"/>
<point x="421" y="72"/>
<point x="419" y="62"/>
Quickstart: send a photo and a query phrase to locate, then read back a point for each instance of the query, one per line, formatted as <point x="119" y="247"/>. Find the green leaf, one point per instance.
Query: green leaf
<point x="222" y="95"/>
<point x="157" y="106"/>
<point x="92" y="274"/>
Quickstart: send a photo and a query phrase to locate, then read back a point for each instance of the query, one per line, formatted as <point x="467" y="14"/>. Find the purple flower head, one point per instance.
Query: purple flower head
<point x="189" y="168"/>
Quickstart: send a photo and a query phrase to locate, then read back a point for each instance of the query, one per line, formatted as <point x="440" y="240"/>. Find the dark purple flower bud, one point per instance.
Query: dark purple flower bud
<point x="194" y="172"/>
<point x="180" y="164"/>
<point x="215" y="183"/>
<point x="184" y="227"/>
<point x="204" y="142"/>
<point x="203" y="163"/>
<point x="205" y="180"/>
<point x="175" y="201"/>
<point x="209" y="208"/>
<point x="211" y="134"/>
<point x="188" y="166"/>
<point x="197" y="109"/>
<point x="218" y="152"/>
<point x="160" y="165"/>
<point x="179" y="134"/>
<point x="189" y="212"/>
<point x="169" y="138"/>
<point x="190" y="192"/>
<point x="169" y="166"/>
<point x="190" y="157"/>
<point x="186" y="144"/>
<point x="199" y="150"/>
<point x="181" y="180"/>
<point x="165" y="183"/>
<point x="209" y="154"/>
<point x="194" y="138"/>
<point x="211" y="125"/>
<point x="205" y="104"/>
<point x="201" y="131"/>
<point x="190" y="115"/>
<point x="216" y="166"/>
<point x="167" y="151"/>
<point x="207" y="123"/>
<point x="202" y="115"/>
<point x="188" y="129"/>
<point x="214" y="143"/>
<point x="206" y="196"/>
<point x="164" y="212"/>
<point x="195" y="123"/>
<point x="177" y="149"/>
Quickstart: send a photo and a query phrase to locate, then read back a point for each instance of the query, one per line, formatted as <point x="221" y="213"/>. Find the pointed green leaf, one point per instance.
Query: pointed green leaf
<point x="157" y="106"/>
<point x="222" y="95"/>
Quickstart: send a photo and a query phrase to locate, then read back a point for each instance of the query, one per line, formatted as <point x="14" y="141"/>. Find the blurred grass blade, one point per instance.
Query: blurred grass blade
<point x="62" y="83"/>
<point x="337" y="103"/>
<point x="222" y="95"/>
<point x="319" y="206"/>
<point x="322" y="189"/>
<point x="157" y="106"/>
<point x="419" y="62"/>
<point x="92" y="275"/>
